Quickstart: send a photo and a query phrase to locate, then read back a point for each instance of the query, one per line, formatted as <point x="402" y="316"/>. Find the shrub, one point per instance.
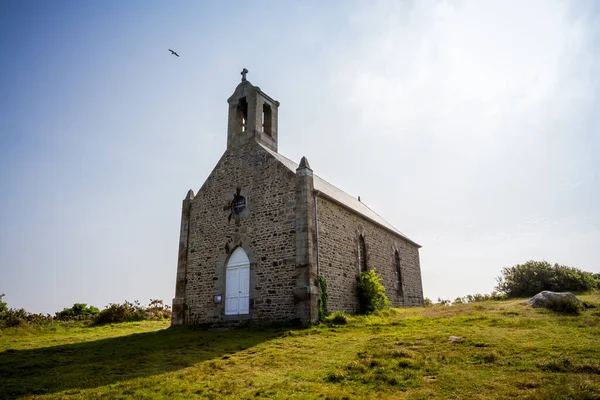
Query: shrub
<point x="371" y="293"/>
<point x="79" y="312"/>
<point x="125" y="312"/>
<point x="157" y="309"/>
<point x="564" y="305"/>
<point x="38" y="319"/>
<point x="337" y="318"/>
<point x="12" y="317"/>
<point x="113" y="313"/>
<point x="19" y="317"/>
<point x="525" y="280"/>
<point x="427" y="302"/>
<point x="478" y="297"/>
<point x="443" y="302"/>
<point x="458" y="300"/>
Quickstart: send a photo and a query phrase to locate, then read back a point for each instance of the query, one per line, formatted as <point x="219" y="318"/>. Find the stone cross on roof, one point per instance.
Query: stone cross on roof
<point x="244" y="72"/>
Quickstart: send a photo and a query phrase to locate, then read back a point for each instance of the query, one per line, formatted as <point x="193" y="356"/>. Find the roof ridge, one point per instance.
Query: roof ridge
<point x="340" y="196"/>
<point x="365" y="204"/>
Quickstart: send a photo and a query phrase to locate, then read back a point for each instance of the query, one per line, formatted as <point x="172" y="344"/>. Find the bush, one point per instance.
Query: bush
<point x="427" y="302"/>
<point x="337" y="318"/>
<point x="79" y="312"/>
<point x="443" y="302"/>
<point x="371" y="293"/>
<point x="157" y="309"/>
<point x="19" y="317"/>
<point x="125" y="312"/>
<point x="478" y="297"/>
<point x="82" y="312"/>
<point x="563" y="305"/>
<point x="12" y="317"/>
<point x="525" y="280"/>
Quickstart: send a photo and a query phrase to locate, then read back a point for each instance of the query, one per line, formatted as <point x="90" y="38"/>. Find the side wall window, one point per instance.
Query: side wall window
<point x="362" y="254"/>
<point x="398" y="273"/>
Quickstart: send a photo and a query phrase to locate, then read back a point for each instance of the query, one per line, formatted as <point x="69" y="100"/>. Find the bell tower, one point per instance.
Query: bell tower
<point x="252" y="116"/>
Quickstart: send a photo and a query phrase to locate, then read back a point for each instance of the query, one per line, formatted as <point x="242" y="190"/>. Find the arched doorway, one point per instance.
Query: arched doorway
<point x="237" y="283"/>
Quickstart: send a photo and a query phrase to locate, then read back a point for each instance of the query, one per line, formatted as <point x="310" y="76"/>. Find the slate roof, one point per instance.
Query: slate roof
<point x="341" y="197"/>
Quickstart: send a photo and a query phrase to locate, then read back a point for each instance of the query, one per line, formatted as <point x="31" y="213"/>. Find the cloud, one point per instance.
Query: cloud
<point x="485" y="111"/>
<point x="465" y="68"/>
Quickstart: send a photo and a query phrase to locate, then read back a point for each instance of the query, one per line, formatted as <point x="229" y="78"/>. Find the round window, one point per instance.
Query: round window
<point x="238" y="204"/>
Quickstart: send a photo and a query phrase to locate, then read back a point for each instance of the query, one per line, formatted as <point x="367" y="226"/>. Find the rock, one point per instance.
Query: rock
<point x="455" y="338"/>
<point x="541" y="299"/>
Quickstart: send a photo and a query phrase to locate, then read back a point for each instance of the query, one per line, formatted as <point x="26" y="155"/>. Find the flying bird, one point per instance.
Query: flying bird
<point x="174" y="53"/>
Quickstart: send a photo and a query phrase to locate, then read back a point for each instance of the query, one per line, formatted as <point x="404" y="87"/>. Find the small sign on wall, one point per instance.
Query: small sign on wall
<point x="218" y="299"/>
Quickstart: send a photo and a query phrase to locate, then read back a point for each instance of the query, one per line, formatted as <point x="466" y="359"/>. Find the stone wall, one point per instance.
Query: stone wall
<point x="265" y="230"/>
<point x="339" y="231"/>
<point x="277" y="230"/>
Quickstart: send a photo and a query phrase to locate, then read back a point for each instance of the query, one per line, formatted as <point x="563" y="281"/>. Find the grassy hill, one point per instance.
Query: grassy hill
<point x="507" y="349"/>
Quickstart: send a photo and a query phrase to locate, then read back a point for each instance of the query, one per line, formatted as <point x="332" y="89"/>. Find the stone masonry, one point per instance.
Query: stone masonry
<point x="289" y="227"/>
<point x="267" y="234"/>
<point x="339" y="230"/>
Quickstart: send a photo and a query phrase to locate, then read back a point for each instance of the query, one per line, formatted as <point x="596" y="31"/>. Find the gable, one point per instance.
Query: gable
<point x="245" y="166"/>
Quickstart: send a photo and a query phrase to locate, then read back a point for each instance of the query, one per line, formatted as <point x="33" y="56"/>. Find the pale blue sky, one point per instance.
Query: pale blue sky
<point x="472" y="126"/>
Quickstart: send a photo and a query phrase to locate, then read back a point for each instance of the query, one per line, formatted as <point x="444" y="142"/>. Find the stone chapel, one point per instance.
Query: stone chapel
<point x="262" y="228"/>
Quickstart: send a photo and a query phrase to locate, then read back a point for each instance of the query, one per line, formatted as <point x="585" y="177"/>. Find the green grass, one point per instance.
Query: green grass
<point x="508" y="350"/>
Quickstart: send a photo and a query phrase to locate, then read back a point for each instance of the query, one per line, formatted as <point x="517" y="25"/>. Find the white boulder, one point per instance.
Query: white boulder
<point x="541" y="299"/>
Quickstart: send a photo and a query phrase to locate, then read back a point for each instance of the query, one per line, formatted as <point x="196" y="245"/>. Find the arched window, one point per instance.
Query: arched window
<point x="237" y="283"/>
<point x="267" y="119"/>
<point x="242" y="115"/>
<point x="398" y="273"/>
<point x="362" y="254"/>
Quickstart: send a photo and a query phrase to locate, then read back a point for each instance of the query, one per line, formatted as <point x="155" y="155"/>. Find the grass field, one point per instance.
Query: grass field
<point x="508" y="350"/>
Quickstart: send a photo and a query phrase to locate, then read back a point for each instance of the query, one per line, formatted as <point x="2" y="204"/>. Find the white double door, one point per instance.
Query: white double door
<point x="237" y="280"/>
